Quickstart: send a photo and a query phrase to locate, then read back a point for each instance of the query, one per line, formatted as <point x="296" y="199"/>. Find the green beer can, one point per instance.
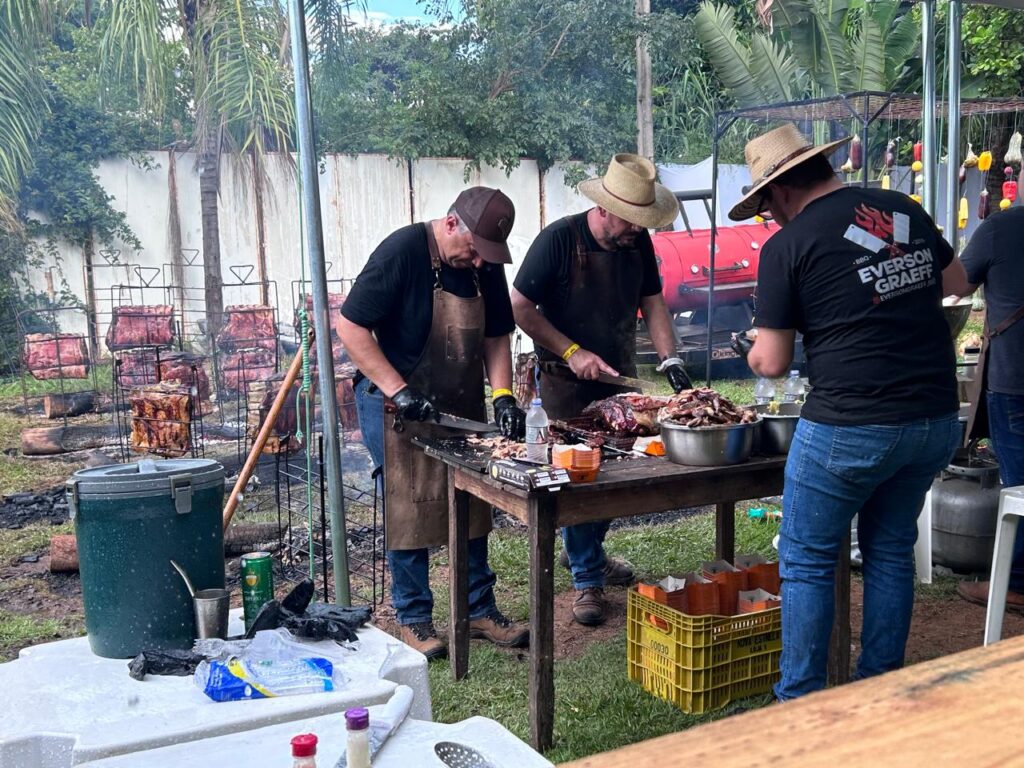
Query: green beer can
<point x="257" y="584"/>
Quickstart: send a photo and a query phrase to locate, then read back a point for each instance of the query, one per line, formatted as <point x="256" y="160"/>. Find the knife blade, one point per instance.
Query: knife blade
<point x="468" y="425"/>
<point x="607" y="378"/>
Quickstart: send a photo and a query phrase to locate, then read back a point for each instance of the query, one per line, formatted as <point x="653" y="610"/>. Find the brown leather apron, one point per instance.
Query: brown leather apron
<point x="450" y="372"/>
<point x="977" y="418"/>
<point x="600" y="315"/>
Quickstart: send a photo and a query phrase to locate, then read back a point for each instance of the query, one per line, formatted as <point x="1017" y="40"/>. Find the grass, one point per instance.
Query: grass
<point x="14" y="387"/>
<point x="32" y="538"/>
<point x="18" y="630"/>
<point x="18" y="473"/>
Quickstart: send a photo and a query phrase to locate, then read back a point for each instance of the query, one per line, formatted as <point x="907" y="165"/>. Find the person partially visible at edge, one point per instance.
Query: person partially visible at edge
<point x="426" y="318"/>
<point x="577" y="295"/>
<point x="992" y="259"/>
<point x="861" y="273"/>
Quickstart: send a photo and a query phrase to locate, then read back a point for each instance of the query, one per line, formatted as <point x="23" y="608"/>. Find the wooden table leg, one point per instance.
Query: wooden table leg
<point x="839" y="647"/>
<point x="542" y="621"/>
<point x="458" y="577"/>
<point x="725" y="530"/>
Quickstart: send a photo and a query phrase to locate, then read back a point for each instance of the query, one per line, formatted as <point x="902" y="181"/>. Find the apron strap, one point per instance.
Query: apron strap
<point x="435" y="255"/>
<point x="1006" y="324"/>
<point x="581" y="248"/>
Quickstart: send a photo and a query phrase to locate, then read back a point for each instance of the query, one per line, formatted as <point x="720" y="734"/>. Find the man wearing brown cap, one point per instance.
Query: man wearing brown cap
<point x="577" y="295"/>
<point x="861" y="274"/>
<point x="427" y="317"/>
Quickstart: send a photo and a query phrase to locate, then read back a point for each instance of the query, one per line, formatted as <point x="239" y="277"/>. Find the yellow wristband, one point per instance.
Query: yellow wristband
<point x="572" y="350"/>
<point x="500" y="393"/>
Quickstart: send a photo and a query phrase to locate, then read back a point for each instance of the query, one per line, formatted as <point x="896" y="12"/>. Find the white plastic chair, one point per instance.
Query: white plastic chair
<point x="923" y="547"/>
<point x="1011" y="509"/>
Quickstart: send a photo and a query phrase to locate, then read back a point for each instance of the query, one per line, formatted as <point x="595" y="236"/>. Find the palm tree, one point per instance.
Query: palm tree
<point x="811" y="48"/>
<point x="230" y="56"/>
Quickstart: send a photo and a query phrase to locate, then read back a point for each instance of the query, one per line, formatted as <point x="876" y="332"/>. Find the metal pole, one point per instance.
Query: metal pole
<point x="321" y="321"/>
<point x="712" y="246"/>
<point x="929" y="138"/>
<point x="953" y="118"/>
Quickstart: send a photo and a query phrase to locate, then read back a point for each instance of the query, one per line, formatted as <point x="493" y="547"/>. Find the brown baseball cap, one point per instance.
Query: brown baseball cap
<point x="489" y="215"/>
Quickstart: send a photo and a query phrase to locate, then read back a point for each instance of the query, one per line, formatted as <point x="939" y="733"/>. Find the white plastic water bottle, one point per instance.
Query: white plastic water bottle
<point x="537" y="432"/>
<point x="764" y="391"/>
<point x="793" y="389"/>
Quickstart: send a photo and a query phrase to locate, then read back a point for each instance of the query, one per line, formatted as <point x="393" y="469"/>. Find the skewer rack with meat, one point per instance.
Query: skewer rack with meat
<point x="248" y="326"/>
<point x="291" y="419"/>
<point x="56" y="356"/>
<point x="244" y="366"/>
<point x="161" y="420"/>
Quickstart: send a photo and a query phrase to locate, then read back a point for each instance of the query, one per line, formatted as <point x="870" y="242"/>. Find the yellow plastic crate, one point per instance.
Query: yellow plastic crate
<point x="701" y="663"/>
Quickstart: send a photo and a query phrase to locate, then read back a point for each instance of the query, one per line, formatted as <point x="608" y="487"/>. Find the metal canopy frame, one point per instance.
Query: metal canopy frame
<point x="866" y="107"/>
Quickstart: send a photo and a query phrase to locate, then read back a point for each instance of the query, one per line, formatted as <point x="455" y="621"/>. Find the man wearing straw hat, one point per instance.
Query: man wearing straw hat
<point x="577" y="295"/>
<point x="860" y="273"/>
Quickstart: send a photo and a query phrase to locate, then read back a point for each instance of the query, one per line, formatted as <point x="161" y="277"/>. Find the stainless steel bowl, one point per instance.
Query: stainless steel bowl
<point x="957" y="316"/>
<point x="777" y="429"/>
<point x="708" y="446"/>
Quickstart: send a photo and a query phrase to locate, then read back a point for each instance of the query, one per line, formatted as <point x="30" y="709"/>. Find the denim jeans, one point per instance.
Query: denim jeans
<point x="1006" y="429"/>
<point x="881" y="472"/>
<point x="410" y="568"/>
<point x="584" y="544"/>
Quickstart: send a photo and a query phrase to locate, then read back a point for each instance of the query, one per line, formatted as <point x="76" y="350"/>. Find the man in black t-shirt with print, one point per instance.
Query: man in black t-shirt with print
<point x="427" y="317"/>
<point x="860" y="273"/>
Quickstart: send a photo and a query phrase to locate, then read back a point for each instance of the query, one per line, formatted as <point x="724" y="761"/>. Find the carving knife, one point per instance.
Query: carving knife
<point x="457" y="422"/>
<point x="620" y="381"/>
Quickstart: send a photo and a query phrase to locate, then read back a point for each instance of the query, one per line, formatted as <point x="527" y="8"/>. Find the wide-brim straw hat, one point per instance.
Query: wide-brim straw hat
<point x="628" y="190"/>
<point x="769" y="156"/>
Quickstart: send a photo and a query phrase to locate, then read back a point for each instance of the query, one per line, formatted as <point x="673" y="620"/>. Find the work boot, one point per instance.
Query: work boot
<point x="424" y="639"/>
<point x="588" y="607"/>
<point x="977" y="592"/>
<point x="500" y="630"/>
<point x="617" y="572"/>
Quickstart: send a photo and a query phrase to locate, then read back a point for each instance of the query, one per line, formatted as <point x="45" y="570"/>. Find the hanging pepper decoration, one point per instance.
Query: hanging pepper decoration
<point x="963" y="214"/>
<point x="984" y="161"/>
<point x="983" y="204"/>
<point x="918" y="150"/>
<point x="856" y="153"/>
<point x="1013" y="153"/>
<point x="971" y="159"/>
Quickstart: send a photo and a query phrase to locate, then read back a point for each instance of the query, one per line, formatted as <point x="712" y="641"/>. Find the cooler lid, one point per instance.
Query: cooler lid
<point x="149" y="477"/>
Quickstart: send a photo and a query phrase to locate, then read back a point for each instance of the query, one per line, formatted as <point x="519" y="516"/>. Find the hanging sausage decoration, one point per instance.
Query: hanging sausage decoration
<point x="984" y="161"/>
<point x="856" y="153"/>
<point x="1013" y="153"/>
<point x="971" y="159"/>
<point x="962" y="176"/>
<point x="983" y="204"/>
<point x="890" y="155"/>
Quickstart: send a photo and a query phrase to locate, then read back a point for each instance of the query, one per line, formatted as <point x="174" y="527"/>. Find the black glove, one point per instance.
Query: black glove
<point x="414" y="405"/>
<point x="677" y="378"/>
<point x="510" y="418"/>
<point x="741" y="343"/>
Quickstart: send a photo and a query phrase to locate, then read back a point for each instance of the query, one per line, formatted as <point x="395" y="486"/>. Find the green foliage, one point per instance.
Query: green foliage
<point x="991" y="51"/>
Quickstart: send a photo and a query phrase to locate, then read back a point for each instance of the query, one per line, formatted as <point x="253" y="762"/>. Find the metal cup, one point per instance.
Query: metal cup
<point x="211" y="606"/>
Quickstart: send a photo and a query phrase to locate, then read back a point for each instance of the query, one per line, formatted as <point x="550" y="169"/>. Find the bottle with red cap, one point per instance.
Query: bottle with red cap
<point x="357" y="747"/>
<point x="304" y="751"/>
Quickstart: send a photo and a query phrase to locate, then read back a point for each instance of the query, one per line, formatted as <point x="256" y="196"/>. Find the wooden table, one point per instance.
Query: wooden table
<point x="956" y="710"/>
<point x="623" y="489"/>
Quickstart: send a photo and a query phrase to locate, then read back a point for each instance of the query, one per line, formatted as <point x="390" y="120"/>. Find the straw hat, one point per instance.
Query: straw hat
<point x="769" y="156"/>
<point x="628" y="190"/>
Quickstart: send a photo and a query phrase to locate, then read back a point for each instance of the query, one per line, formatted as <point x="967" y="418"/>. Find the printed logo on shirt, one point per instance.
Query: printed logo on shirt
<point x="878" y="223"/>
<point x="899" y="272"/>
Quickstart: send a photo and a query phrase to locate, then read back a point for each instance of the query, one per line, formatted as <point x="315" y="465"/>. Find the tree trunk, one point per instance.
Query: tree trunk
<point x="209" y="192"/>
<point x="644" y="108"/>
<point x="258" y="177"/>
<point x="51" y="441"/>
<point x="174" y="238"/>
<point x="68" y="404"/>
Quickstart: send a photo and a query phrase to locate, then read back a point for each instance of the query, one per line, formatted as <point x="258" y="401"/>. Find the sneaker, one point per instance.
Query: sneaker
<point x="977" y="592"/>
<point x="588" y="607"/>
<point x="424" y="639"/>
<point x="500" y="630"/>
<point x="617" y="572"/>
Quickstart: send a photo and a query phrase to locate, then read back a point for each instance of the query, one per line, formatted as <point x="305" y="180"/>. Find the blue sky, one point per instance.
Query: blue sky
<point x="385" y="11"/>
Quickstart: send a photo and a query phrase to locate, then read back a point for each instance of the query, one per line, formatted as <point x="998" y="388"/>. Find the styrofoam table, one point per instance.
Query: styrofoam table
<point x="411" y="747"/>
<point x="63" y="705"/>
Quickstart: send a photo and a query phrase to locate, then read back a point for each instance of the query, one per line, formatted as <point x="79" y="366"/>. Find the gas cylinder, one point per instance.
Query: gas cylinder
<point x="965" y="505"/>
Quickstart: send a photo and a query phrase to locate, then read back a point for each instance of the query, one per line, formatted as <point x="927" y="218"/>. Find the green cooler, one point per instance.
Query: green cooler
<point x="131" y="520"/>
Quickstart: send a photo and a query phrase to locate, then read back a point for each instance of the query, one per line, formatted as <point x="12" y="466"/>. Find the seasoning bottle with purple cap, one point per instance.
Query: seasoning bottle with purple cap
<point x="357" y="748"/>
<point x="304" y="751"/>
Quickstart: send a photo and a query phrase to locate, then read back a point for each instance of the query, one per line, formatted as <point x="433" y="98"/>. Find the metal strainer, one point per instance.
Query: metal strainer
<point x="456" y="755"/>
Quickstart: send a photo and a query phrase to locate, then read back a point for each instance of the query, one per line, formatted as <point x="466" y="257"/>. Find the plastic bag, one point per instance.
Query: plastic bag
<point x="176" y="663"/>
<point x="318" y="621"/>
<point x="239" y="679"/>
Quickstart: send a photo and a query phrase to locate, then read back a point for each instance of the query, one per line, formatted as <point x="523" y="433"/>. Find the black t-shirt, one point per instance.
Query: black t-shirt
<point x="993" y="259"/>
<point x="393" y="296"/>
<point x="544" y="276"/>
<point x="859" y="273"/>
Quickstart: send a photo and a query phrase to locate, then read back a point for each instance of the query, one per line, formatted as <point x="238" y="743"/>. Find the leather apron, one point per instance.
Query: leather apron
<point x="600" y="315"/>
<point x="450" y="372"/>
<point x="977" y="418"/>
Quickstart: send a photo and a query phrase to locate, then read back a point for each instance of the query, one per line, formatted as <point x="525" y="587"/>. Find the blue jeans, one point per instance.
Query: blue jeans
<point x="1006" y="428"/>
<point x="584" y="544"/>
<point x="410" y="568"/>
<point x="881" y="472"/>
